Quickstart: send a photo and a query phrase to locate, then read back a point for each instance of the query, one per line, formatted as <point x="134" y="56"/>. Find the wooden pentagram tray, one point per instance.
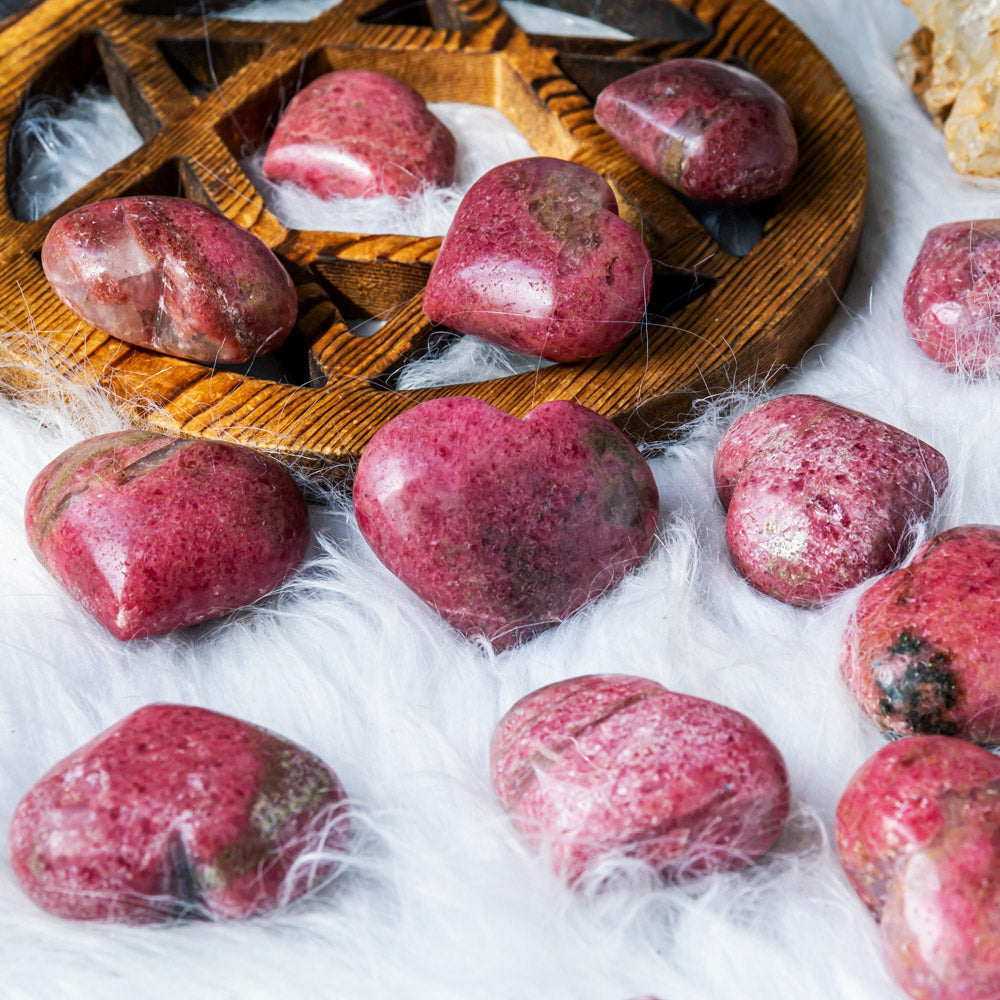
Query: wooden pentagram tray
<point x="204" y="92"/>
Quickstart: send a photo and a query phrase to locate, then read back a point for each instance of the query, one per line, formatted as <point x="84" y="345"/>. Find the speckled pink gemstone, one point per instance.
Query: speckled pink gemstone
<point x="504" y="525"/>
<point x="152" y="533"/>
<point x="922" y="653"/>
<point x="950" y="302"/>
<point x="606" y="766"/>
<point x="892" y="806"/>
<point x="171" y="275"/>
<point x="713" y="131"/>
<point x="537" y="259"/>
<point x="357" y="133"/>
<point x="819" y="497"/>
<point x="941" y="923"/>
<point x="177" y="811"/>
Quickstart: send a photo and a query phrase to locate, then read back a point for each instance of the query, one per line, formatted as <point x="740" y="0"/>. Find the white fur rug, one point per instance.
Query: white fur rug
<point x="439" y="900"/>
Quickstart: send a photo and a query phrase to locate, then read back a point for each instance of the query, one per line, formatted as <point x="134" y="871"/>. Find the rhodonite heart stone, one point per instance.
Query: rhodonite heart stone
<point x="537" y="259"/>
<point x="171" y="275"/>
<point x="151" y="533"/>
<point x="819" y="497"/>
<point x="893" y="806"/>
<point x="357" y="133"/>
<point x="178" y="811"/>
<point x="950" y="299"/>
<point x="505" y="525"/>
<point x="941" y="923"/>
<point x="712" y="131"/>
<point x="922" y="651"/>
<point x="613" y="765"/>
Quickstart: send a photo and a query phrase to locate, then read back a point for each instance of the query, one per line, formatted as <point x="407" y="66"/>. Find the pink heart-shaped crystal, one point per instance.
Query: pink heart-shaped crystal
<point x="538" y="260"/>
<point x="177" y="810"/>
<point x="819" y="497"/>
<point x="941" y="924"/>
<point x="611" y="765"/>
<point x="950" y="299"/>
<point x="505" y="525"/>
<point x="895" y="805"/>
<point x="921" y="653"/>
<point x="151" y="533"/>
<point x="356" y="133"/>
<point x="713" y="131"/>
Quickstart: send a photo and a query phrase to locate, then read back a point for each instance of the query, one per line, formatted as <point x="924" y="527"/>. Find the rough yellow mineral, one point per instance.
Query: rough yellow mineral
<point x="953" y="65"/>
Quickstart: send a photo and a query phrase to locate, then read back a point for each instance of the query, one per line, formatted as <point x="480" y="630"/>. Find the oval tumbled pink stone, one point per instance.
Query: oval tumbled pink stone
<point x="178" y="811"/>
<point x="151" y="533"/>
<point x="171" y="275"/>
<point x="819" y="497"/>
<point x="609" y="766"/>
<point x="504" y="525"/>
<point x="950" y="299"/>
<point x="538" y="260"/>
<point x="713" y="131"/>
<point x="358" y="133"/>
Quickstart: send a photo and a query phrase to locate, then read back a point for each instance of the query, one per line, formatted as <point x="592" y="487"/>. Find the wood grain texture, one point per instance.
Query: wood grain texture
<point x="715" y="318"/>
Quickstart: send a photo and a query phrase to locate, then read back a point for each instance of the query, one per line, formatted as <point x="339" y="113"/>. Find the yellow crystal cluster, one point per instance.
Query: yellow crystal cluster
<point x="952" y="62"/>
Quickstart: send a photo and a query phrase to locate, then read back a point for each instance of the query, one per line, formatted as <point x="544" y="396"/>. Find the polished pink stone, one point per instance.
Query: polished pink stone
<point x="922" y="653"/>
<point x="605" y="766"/>
<point x="151" y="533"/>
<point x="538" y="260"/>
<point x="951" y="303"/>
<point x="820" y="497"/>
<point x="712" y="131"/>
<point x="504" y="525"/>
<point x="171" y="275"/>
<point x="892" y="806"/>
<point x="357" y="133"/>
<point x="177" y="811"/>
<point x="941" y="923"/>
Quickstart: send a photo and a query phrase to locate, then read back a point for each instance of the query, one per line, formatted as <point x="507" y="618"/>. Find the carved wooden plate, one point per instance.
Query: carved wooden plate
<point x="723" y="310"/>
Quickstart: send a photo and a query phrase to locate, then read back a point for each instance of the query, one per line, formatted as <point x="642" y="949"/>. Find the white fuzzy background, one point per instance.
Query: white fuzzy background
<point x="439" y="900"/>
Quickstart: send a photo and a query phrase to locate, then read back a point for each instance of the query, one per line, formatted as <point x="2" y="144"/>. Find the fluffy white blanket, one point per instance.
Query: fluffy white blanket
<point x="439" y="899"/>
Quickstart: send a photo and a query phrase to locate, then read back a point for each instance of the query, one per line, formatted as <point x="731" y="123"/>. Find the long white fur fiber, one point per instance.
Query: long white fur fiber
<point x="439" y="900"/>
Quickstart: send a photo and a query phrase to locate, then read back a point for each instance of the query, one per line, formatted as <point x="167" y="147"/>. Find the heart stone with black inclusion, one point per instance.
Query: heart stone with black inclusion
<point x="505" y="525"/>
